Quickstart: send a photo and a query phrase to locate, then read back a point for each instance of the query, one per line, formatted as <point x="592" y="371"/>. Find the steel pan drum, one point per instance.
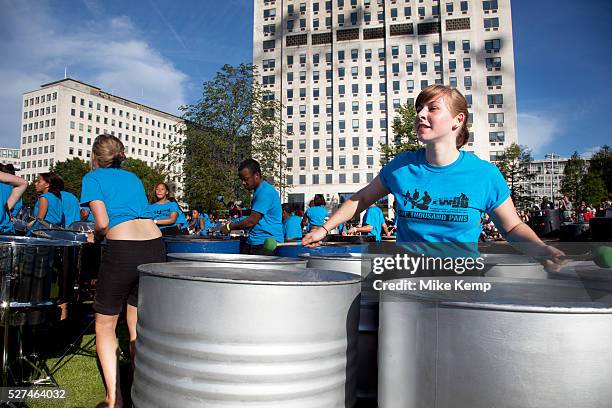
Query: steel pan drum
<point x="258" y="260"/>
<point x="524" y="343"/>
<point x="293" y="251"/>
<point x="37" y="272"/>
<point x="220" y="246"/>
<point x="512" y="266"/>
<point x="224" y="337"/>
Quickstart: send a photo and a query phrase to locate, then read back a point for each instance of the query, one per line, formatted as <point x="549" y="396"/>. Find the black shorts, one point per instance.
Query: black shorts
<point x="118" y="276"/>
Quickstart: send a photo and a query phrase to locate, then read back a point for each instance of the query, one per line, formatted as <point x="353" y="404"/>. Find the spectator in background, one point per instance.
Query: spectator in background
<point x="315" y="215"/>
<point x="292" y="224"/>
<point x="547" y="204"/>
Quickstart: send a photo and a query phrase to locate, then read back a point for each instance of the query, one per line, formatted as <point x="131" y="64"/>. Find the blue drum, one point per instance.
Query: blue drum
<point x="294" y="250"/>
<point x="213" y="246"/>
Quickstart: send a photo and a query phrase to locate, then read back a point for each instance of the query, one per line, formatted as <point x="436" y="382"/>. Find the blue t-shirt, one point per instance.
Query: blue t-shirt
<point x="17" y="207"/>
<point x="70" y="208"/>
<point x="55" y="214"/>
<point x="342" y="227"/>
<point x="5" y="220"/>
<point x="181" y="220"/>
<point x="316" y="216"/>
<point x="120" y="190"/>
<point x="266" y="201"/>
<point x="292" y="227"/>
<point x="374" y="217"/>
<point x="442" y="203"/>
<point x="163" y="211"/>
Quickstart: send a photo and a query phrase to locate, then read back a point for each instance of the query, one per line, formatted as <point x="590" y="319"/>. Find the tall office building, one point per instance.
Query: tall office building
<point x="61" y="120"/>
<point x="343" y="67"/>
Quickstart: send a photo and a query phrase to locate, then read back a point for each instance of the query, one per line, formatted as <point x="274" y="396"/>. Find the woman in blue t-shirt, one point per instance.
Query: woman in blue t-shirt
<point x="315" y="215"/>
<point x="442" y="191"/>
<point x="48" y="208"/>
<point x="167" y="213"/>
<point x="122" y="216"/>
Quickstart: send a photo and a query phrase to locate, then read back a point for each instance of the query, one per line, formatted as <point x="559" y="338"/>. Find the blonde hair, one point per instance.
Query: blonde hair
<point x="109" y="151"/>
<point x="454" y="100"/>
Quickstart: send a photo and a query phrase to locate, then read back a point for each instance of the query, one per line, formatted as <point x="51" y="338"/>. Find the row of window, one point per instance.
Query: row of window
<point x="119" y="123"/>
<point x="316" y="161"/>
<point x="39" y="125"/>
<point x="38" y="138"/>
<point x="328" y="178"/>
<point x="81" y="127"/>
<point x="40" y="99"/>
<point x="316" y="143"/>
<point x="450" y="7"/>
<point x="341" y="19"/>
<point x="40" y="150"/>
<point x="34" y="164"/>
<point x="115" y="111"/>
<point x="40" y="112"/>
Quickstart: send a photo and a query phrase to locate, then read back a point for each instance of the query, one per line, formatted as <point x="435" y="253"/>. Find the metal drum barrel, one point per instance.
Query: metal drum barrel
<point x="217" y="246"/>
<point x="223" y="337"/>
<point x="36" y="272"/>
<point x="512" y="266"/>
<point x="524" y="343"/>
<point x="293" y="251"/>
<point x="367" y="367"/>
<point x="257" y="260"/>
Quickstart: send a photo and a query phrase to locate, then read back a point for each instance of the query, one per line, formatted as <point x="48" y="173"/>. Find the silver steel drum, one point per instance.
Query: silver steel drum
<point x="259" y="260"/>
<point x="36" y="272"/>
<point x="367" y="367"/>
<point x="512" y="266"/>
<point x="88" y="260"/>
<point x="587" y="272"/>
<point x="229" y="337"/>
<point x="525" y="343"/>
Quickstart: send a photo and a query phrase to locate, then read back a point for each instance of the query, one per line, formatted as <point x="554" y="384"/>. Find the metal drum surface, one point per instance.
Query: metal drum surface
<point x="367" y="366"/>
<point x="258" y="260"/>
<point x="37" y="272"/>
<point x="225" y="337"/>
<point x="587" y="272"/>
<point x="512" y="266"/>
<point x="63" y="234"/>
<point x="228" y="246"/>
<point x="293" y="251"/>
<point x="525" y="343"/>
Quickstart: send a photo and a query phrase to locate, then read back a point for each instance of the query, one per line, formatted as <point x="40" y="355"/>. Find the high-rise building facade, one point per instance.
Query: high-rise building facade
<point x="342" y="68"/>
<point x="61" y="120"/>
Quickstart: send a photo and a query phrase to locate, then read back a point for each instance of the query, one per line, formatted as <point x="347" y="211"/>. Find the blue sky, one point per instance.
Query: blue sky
<point x="159" y="53"/>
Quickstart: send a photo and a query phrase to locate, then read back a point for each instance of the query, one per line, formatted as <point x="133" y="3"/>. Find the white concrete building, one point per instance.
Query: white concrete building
<point x="548" y="177"/>
<point x="9" y="155"/>
<point x="342" y="67"/>
<point x="61" y="120"/>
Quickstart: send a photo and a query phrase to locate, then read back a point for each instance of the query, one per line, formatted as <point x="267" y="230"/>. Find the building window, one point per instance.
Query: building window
<point x="467" y="81"/>
<point x="467" y="63"/>
<point x="491" y="22"/>
<point x="497" y="137"/>
<point x="495" y="99"/>
<point x="355" y="177"/>
<point x="493" y="62"/>
<point x="464" y="5"/>
<point x="495" y="80"/>
<point x="496" y="118"/>
<point x="492" y="45"/>
<point x="489" y="5"/>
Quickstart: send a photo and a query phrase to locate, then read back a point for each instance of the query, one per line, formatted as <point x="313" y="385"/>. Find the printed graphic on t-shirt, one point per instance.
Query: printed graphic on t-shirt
<point x="426" y="207"/>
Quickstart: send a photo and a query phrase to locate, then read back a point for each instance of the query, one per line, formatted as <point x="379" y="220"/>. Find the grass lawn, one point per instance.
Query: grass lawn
<point x="79" y="374"/>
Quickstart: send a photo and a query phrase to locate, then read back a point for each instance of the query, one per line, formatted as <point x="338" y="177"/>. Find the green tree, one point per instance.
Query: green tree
<point x="148" y="175"/>
<point x="235" y="119"/>
<point x="72" y="172"/>
<point x="593" y="189"/>
<point x="405" y="139"/>
<point x="514" y="165"/>
<point x="601" y="164"/>
<point x="573" y="177"/>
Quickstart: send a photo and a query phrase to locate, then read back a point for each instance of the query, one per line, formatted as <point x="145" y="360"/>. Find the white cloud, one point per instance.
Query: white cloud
<point x="589" y="152"/>
<point x="108" y="53"/>
<point x="537" y="130"/>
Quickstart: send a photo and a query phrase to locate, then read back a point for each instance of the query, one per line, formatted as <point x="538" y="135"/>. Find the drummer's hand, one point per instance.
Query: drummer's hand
<point x="90" y="237"/>
<point x="313" y="238"/>
<point x="553" y="261"/>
